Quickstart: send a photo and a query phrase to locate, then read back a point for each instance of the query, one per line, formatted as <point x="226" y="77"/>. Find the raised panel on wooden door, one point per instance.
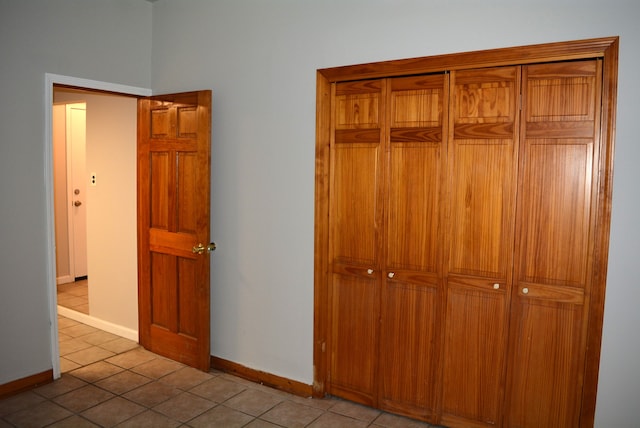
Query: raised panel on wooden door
<point x="482" y="167"/>
<point x="476" y="339"/>
<point x="410" y="309"/>
<point x="354" y="336"/>
<point x="554" y="247"/>
<point x="355" y="215"/>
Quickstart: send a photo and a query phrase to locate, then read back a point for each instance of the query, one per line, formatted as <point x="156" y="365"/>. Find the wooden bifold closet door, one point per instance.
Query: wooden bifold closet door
<point x="463" y="227"/>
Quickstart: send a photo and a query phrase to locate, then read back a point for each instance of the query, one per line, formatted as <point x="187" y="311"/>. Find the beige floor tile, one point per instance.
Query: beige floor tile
<point x="40" y="415"/>
<point x="221" y="416"/>
<point x="132" y="358"/>
<point x="119" y="345"/>
<point x="66" y="383"/>
<point x="333" y="420"/>
<point x="112" y="412"/>
<point x="259" y="423"/>
<point x="84" y="308"/>
<point x="63" y="337"/>
<point x="157" y="368"/>
<point x="292" y="415"/>
<point x="253" y="402"/>
<point x="68" y="365"/>
<point x="64" y="323"/>
<point x="74" y="344"/>
<point x="218" y="389"/>
<point x="89" y="355"/>
<point x="184" y="407"/>
<point x="83" y="398"/>
<point x="19" y="402"/>
<point x="78" y="330"/>
<point x="122" y="382"/>
<point x="356" y="411"/>
<point x="318" y="403"/>
<point x="74" y="421"/>
<point x="186" y="378"/>
<point x="149" y="419"/>
<point x="152" y="394"/>
<point x="69" y="300"/>
<point x="96" y="371"/>
<point x="99" y="337"/>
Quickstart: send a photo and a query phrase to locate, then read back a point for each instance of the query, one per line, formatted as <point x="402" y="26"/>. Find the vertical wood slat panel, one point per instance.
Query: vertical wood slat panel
<point x="474" y="352"/>
<point x="354" y="334"/>
<point x="410" y="315"/>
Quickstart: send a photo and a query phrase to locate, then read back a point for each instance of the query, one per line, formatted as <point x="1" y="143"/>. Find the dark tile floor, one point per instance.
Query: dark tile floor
<point x="110" y="381"/>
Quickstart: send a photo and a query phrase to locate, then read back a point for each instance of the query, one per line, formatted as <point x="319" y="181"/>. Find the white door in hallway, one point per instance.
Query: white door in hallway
<point x="77" y="187"/>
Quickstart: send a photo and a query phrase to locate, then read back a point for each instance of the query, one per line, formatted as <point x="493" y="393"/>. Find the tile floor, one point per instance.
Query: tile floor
<point x="75" y="296"/>
<point x="110" y="381"/>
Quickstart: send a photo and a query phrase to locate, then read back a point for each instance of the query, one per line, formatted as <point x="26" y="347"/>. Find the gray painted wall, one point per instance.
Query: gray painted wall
<point x="260" y="58"/>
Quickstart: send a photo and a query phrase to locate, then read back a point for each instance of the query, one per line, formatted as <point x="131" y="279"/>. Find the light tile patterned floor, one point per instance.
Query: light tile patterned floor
<point x="109" y="381"/>
<point x="75" y="296"/>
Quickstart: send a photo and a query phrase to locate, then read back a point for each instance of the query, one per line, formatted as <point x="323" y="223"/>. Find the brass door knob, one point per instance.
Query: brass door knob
<point x="200" y="249"/>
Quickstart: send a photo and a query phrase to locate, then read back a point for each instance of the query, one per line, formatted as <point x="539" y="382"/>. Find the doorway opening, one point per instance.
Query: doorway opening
<point x="113" y="200"/>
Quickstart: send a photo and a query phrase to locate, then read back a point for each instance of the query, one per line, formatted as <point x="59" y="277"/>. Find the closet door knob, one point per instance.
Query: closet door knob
<point x="525" y="290"/>
<point x="369" y="271"/>
<point x="496" y="286"/>
<point x="391" y="274"/>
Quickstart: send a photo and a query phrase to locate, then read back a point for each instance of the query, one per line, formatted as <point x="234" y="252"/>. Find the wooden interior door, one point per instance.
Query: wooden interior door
<point x="557" y="195"/>
<point x="412" y="274"/>
<point x="174" y="139"/>
<point x="482" y="168"/>
<point x="355" y="218"/>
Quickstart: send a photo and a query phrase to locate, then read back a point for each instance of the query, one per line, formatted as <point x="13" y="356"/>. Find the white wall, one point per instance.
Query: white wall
<point x="260" y="58"/>
<point x="101" y="40"/>
<point x="112" y="212"/>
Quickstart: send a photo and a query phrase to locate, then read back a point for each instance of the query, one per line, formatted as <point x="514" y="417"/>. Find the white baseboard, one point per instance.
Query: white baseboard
<point x="64" y="279"/>
<point x="107" y="326"/>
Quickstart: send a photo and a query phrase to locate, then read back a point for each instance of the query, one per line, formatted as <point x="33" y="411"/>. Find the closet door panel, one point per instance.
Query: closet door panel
<point x="554" y="245"/>
<point x="415" y="164"/>
<point x="481" y="207"/>
<point x="355" y="212"/>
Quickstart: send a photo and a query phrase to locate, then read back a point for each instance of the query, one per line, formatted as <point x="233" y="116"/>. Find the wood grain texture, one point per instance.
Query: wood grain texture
<point x="551" y="291"/>
<point x="554" y="248"/>
<point x="174" y="139"/>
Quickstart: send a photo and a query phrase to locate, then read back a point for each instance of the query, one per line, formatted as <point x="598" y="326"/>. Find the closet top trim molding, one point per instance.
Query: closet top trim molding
<point x="549" y="52"/>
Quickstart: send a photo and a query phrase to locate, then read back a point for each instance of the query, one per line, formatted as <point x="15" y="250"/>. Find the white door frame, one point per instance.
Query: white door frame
<point x="50" y="80"/>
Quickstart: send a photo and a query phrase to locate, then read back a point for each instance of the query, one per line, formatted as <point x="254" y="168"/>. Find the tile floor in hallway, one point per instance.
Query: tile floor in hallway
<point x="111" y="381"/>
<point x="75" y="296"/>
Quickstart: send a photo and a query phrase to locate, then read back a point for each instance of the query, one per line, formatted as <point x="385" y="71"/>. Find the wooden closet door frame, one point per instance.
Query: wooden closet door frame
<point x="605" y="48"/>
